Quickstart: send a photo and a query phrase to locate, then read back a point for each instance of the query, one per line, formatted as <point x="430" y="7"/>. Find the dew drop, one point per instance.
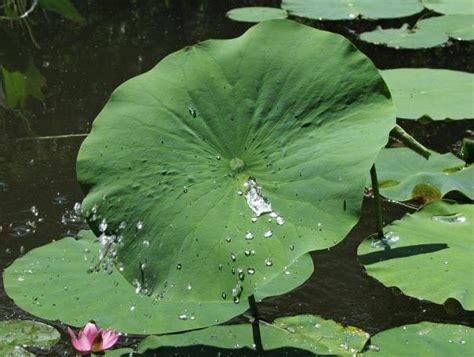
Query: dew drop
<point x="146" y="244"/>
<point x="450" y="219"/>
<point x="280" y="221"/>
<point x="178" y="266"/>
<point x="192" y="111"/>
<point x="249" y="236"/>
<point x="251" y="271"/>
<point x="233" y="257"/>
<point x="139" y="225"/>
<point x="256" y="202"/>
<point x="268" y="234"/>
<point x="388" y="240"/>
<point x="183" y="317"/>
<point x="268" y="262"/>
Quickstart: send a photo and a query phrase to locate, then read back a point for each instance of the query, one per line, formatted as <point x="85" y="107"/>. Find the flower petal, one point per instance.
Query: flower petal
<point x="109" y="338"/>
<point x="80" y="344"/>
<point x="89" y="331"/>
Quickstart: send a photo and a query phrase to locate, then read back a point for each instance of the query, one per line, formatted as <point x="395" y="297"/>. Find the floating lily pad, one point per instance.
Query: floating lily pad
<point x="351" y="9"/>
<point x="232" y="158"/>
<point x="66" y="264"/>
<point x="427" y="255"/>
<point x="424" y="339"/>
<point x="307" y="332"/>
<point x="404" y="175"/>
<point x="428" y="33"/>
<point x="436" y="93"/>
<point x="450" y="7"/>
<point x="404" y="37"/>
<point x="256" y="14"/>
<point x="16" y="334"/>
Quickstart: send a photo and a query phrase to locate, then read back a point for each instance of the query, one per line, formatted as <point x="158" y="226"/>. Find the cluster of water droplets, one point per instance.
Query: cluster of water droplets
<point x="389" y="239"/>
<point x="450" y="219"/>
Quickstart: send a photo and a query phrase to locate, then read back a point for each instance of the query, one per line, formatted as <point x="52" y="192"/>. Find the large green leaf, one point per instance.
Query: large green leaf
<point x="427" y="254"/>
<point x="307" y="332"/>
<point x="170" y="155"/>
<point x="16" y="334"/>
<point x="66" y="265"/>
<point x="403" y="175"/>
<point x="256" y="14"/>
<point x="450" y="7"/>
<point x="64" y="8"/>
<point x="424" y="339"/>
<point x="437" y="93"/>
<point x="428" y="32"/>
<point x="350" y="9"/>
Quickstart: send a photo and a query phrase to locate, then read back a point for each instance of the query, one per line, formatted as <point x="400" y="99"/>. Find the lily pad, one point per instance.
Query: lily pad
<point x="405" y="37"/>
<point x="351" y="9"/>
<point x="428" y="33"/>
<point x="404" y="175"/>
<point x="16" y="334"/>
<point x="256" y="14"/>
<point x="427" y="255"/>
<point x="437" y="93"/>
<point x="66" y="264"/>
<point x="230" y="147"/>
<point x="450" y="7"/>
<point x="307" y="332"/>
<point x="424" y="339"/>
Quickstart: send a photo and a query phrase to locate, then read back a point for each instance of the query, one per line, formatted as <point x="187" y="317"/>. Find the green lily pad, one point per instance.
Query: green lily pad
<point x="404" y="175"/>
<point x="15" y="334"/>
<point x="404" y="37"/>
<point x="351" y="9"/>
<point x="450" y="7"/>
<point x="307" y="332"/>
<point x="437" y="93"/>
<point x="169" y="161"/>
<point x="66" y="264"/>
<point x="256" y="14"/>
<point x="427" y="255"/>
<point x="428" y="33"/>
<point x="424" y="339"/>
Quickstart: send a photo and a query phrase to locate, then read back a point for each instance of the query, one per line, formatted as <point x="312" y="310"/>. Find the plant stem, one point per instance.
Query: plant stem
<point x="257" y="337"/>
<point x="377" y="202"/>
<point x="400" y="134"/>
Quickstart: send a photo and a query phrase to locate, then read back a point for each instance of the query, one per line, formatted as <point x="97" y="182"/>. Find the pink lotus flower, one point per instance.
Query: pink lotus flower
<point x="90" y="339"/>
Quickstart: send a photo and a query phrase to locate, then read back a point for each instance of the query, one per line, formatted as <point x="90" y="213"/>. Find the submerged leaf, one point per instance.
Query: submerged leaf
<point x="351" y="9"/>
<point x="168" y="164"/>
<point x="16" y="334"/>
<point x="423" y="339"/>
<point x="427" y="255"/>
<point x="64" y="8"/>
<point x="437" y="93"/>
<point x="404" y="175"/>
<point x="256" y="14"/>
<point x="70" y="264"/>
<point x="305" y="332"/>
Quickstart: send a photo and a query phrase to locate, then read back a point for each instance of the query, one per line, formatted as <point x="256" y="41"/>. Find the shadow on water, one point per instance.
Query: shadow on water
<point x="67" y="81"/>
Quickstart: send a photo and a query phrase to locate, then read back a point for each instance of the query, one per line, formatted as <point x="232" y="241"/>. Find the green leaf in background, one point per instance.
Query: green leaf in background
<point x="256" y="14"/>
<point x="351" y="9"/>
<point x="66" y="265"/>
<point x="168" y="163"/>
<point x="423" y="339"/>
<point x="307" y="332"/>
<point x="16" y="334"/>
<point x="436" y="93"/>
<point x="458" y="27"/>
<point x="404" y="175"/>
<point x="427" y="254"/>
<point x="404" y="37"/>
<point x="431" y="32"/>
<point x="18" y="86"/>
<point x="450" y="7"/>
<point x="64" y="8"/>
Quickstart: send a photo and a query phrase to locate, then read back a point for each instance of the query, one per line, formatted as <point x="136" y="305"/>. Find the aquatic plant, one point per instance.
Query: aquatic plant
<point x="91" y="339"/>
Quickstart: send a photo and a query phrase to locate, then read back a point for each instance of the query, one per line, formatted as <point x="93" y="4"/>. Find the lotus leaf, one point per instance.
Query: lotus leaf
<point x="427" y="254"/>
<point x="450" y="7"/>
<point x="256" y="14"/>
<point x="404" y="175"/>
<point x="16" y="334"/>
<point x="424" y="339"/>
<point x="436" y="93"/>
<point x="431" y="32"/>
<point x="230" y="159"/>
<point x="307" y="332"/>
<point x="66" y="265"/>
<point x="351" y="9"/>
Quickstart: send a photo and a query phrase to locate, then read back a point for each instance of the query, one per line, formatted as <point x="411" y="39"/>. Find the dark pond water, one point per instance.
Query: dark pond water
<point x="82" y="65"/>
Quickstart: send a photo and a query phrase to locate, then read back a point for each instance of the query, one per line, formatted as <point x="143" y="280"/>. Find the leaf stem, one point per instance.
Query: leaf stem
<point x="257" y="337"/>
<point x="377" y="202"/>
<point x="400" y="134"/>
